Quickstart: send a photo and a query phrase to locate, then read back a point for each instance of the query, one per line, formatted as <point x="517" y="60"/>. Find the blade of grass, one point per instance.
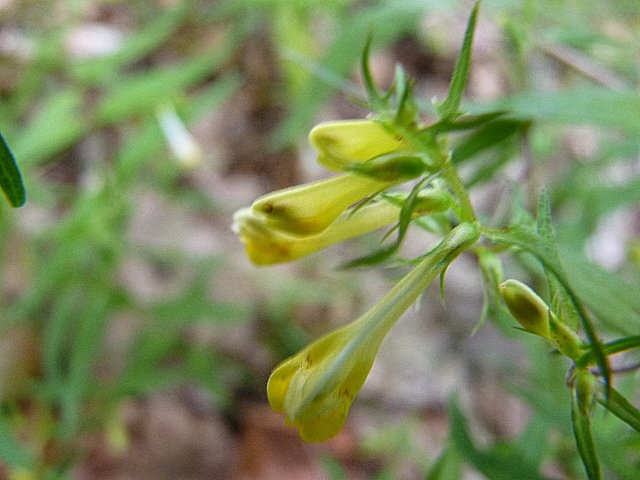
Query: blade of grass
<point x="10" y="178"/>
<point x="449" y="109"/>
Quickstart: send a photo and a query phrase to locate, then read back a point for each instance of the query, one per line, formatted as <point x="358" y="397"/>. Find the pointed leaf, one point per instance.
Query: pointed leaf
<point x="449" y="109"/>
<point x="10" y="178"/>
<point x="621" y="408"/>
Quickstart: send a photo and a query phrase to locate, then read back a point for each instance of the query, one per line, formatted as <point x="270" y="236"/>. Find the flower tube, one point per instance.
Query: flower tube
<point x="312" y="207"/>
<point x="316" y="387"/>
<point x="266" y="245"/>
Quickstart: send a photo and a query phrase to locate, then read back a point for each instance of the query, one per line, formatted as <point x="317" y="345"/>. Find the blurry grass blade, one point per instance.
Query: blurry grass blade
<point x="449" y="109"/>
<point x="10" y="178"/>
<point x="11" y="451"/>
<point x="621" y="408"/>
<point x="139" y="44"/>
<point x="579" y="106"/>
<point x="507" y="464"/>
<point x="58" y="123"/>
<point x="448" y="465"/>
<point x="584" y="442"/>
<point x="85" y="350"/>
<point x="388" y="21"/>
<point x="615" y="301"/>
<point x="487" y="136"/>
<point x="143" y="93"/>
<point x="143" y="142"/>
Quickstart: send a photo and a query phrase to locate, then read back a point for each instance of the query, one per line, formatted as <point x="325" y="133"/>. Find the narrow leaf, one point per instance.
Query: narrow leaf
<point x="448" y="466"/>
<point x="10" y="178"/>
<point x="406" y="215"/>
<point x="373" y="95"/>
<point x="505" y="464"/>
<point x="617" y="404"/>
<point x="584" y="442"/>
<point x="487" y="136"/>
<point x="449" y="109"/>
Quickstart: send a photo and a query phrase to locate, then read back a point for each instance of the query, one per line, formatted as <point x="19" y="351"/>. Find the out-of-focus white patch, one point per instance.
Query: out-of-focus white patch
<point x="93" y="40"/>
<point x="607" y="246"/>
<point x="181" y="142"/>
<point x="15" y="43"/>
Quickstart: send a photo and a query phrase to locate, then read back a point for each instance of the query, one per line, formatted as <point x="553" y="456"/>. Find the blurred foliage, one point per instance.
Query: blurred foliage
<point x="85" y="132"/>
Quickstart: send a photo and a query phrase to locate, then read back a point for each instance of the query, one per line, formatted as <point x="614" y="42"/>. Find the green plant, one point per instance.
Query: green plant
<point x="316" y="387"/>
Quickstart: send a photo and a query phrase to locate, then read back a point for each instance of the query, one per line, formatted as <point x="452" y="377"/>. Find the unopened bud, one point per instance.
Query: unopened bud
<point x="586" y="387"/>
<point x="526" y="307"/>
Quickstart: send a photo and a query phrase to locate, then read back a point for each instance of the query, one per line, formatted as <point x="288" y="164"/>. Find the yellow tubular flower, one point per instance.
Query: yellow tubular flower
<point x="340" y="143"/>
<point x="315" y="387"/>
<point x="312" y="207"/>
<point x="266" y="246"/>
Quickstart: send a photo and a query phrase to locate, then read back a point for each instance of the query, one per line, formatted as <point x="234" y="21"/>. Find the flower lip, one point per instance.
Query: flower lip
<point x="343" y="142"/>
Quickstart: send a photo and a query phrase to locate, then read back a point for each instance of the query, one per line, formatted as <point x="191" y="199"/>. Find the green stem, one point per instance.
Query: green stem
<point x="450" y="174"/>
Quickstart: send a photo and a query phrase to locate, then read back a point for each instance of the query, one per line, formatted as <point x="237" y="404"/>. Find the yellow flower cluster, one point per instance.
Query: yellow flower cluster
<point x="290" y="223"/>
<point x="315" y="388"/>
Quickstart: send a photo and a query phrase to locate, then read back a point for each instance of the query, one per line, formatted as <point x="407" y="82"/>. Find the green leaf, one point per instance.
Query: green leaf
<point x="406" y="215"/>
<point x="10" y="178"/>
<point x="584" y="441"/>
<point x="449" y="109"/>
<point x="448" y="466"/>
<point x="373" y="94"/>
<point x="617" y="404"/>
<point x="58" y="124"/>
<point x="615" y="301"/>
<point x="591" y="106"/>
<point x="487" y="136"/>
<point x="504" y="463"/>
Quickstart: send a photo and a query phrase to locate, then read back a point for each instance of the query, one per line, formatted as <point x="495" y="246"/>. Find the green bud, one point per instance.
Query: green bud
<point x="536" y="317"/>
<point x="526" y="307"/>
<point x="586" y="387"/>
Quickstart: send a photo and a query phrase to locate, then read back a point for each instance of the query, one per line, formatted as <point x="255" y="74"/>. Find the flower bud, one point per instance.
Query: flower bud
<point x="586" y="387"/>
<point x="266" y="245"/>
<point x="312" y="207"/>
<point x="535" y="316"/>
<point x="526" y="307"/>
<point x="316" y="387"/>
<point x="342" y="143"/>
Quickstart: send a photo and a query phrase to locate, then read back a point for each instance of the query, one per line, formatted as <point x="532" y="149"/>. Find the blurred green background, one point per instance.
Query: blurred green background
<point x="136" y="339"/>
